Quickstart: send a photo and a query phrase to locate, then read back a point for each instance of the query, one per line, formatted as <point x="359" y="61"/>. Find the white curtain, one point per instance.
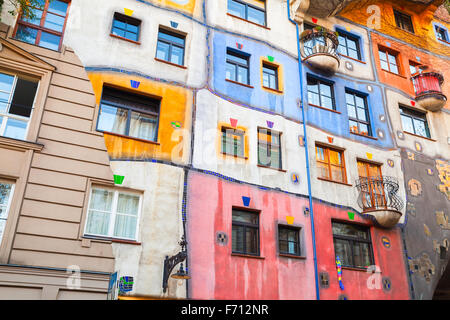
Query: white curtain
<point x="126" y="216"/>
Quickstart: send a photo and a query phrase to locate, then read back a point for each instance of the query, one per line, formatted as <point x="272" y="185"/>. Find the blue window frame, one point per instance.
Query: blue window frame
<point x="320" y="93"/>
<point x="237" y="67"/>
<point x="126" y="27"/>
<point x="170" y="47"/>
<point x="349" y="46"/>
<point x="246" y="11"/>
<point x="441" y="33"/>
<point x="358" y="113"/>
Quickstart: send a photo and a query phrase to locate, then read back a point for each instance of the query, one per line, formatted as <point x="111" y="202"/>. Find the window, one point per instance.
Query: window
<point x="349" y="46"/>
<point x="253" y="13"/>
<point x="358" y="114"/>
<point x="233" y="142"/>
<point x="441" y="34"/>
<point x="113" y="213"/>
<point x="353" y="245"/>
<point x="414" y="122"/>
<point x="270" y="76"/>
<point x="245" y="232"/>
<point x="237" y="68"/>
<point x="414" y="67"/>
<point x="16" y="103"/>
<point x="289" y="240"/>
<point x="269" y="148"/>
<point x="128" y="114"/>
<point x="170" y="47"/>
<point x="330" y="164"/>
<point x="6" y="191"/>
<point x="403" y="21"/>
<point x="47" y="27"/>
<point x="388" y="61"/>
<point x="373" y="191"/>
<point x="320" y="93"/>
<point x="126" y="27"/>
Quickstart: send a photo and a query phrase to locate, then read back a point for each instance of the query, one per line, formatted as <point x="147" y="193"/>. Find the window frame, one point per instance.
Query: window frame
<point x="128" y="21"/>
<point x="40" y="28"/>
<point x="130" y="109"/>
<point x="269" y="146"/>
<point x="401" y="19"/>
<point x="247" y="5"/>
<point x="320" y="81"/>
<point x="352" y="240"/>
<point x="111" y="226"/>
<point x="171" y="44"/>
<point x="377" y="200"/>
<point x="246" y="225"/>
<point x="328" y="162"/>
<point x="366" y="110"/>
<point x="236" y="132"/>
<point x="8" y="205"/>
<point x="274" y="68"/>
<point x="356" y="39"/>
<point x="236" y="64"/>
<point x="393" y="53"/>
<point x="438" y="29"/>
<point x="415" y="115"/>
<point x="298" y="230"/>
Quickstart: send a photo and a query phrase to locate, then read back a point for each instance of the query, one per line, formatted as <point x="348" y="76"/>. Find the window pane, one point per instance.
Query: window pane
<point x="236" y="9"/>
<point x="313" y="98"/>
<point x="266" y="80"/>
<point x="384" y="65"/>
<point x="118" y="32"/>
<point x="125" y="226"/>
<point x="112" y="119"/>
<point x="143" y="126"/>
<point x="237" y="239"/>
<point x="23" y="99"/>
<point x="407" y="124"/>
<point x="275" y="158"/>
<point x="351" y="111"/>
<point x="363" y="129"/>
<point x="335" y="157"/>
<point x="242" y="216"/>
<point x="327" y="103"/>
<point x="323" y="170"/>
<point x="394" y="68"/>
<point x="251" y="239"/>
<point x="5" y="192"/>
<point x="242" y="75"/>
<point x="382" y="55"/>
<point x="353" y="54"/>
<point x="361" y="255"/>
<point x="320" y="153"/>
<point x="101" y="200"/>
<point x="256" y="16"/>
<point x="231" y="72"/>
<point x="350" y="99"/>
<point x="128" y="203"/>
<point x="15" y="129"/>
<point x="362" y="114"/>
<point x="353" y="126"/>
<point x="343" y="251"/>
<point x="98" y="223"/>
<point x="54" y="22"/>
<point x="350" y="230"/>
<point x="237" y="59"/>
<point x="131" y="28"/>
<point x="337" y="174"/>
<point x="162" y="51"/>
<point x="420" y="129"/>
<point x="131" y="35"/>
<point x="58" y="7"/>
<point x="26" y="34"/>
<point x="119" y="24"/>
<point x="352" y="44"/>
<point x="36" y="19"/>
<point x="177" y="55"/>
<point x="171" y="38"/>
<point x="49" y="41"/>
<point x="263" y="157"/>
<point x="6" y="82"/>
<point x="325" y="90"/>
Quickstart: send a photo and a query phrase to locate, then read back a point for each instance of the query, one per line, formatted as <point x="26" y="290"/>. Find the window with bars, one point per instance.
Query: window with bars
<point x="320" y="93"/>
<point x="17" y="96"/>
<point x="47" y="26"/>
<point x="126" y="27"/>
<point x="245" y="232"/>
<point x="113" y="213"/>
<point x="270" y="76"/>
<point x="289" y="240"/>
<point x="330" y="164"/>
<point x="389" y="60"/>
<point x="414" y="122"/>
<point x="403" y="21"/>
<point x="6" y="193"/>
<point x="349" y="46"/>
<point x="128" y="114"/>
<point x="358" y="113"/>
<point x="170" y="47"/>
<point x="269" y="148"/>
<point x="244" y="10"/>
<point x="352" y="244"/>
<point x="233" y="142"/>
<point x="237" y="67"/>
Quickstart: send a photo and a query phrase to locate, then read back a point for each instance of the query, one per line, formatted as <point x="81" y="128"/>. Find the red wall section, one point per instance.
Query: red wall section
<point x="390" y="260"/>
<point x="215" y="272"/>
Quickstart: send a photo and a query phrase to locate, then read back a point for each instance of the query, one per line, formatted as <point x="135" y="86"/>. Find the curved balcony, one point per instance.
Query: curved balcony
<point x="378" y="198"/>
<point x="428" y="90"/>
<point x="318" y="48"/>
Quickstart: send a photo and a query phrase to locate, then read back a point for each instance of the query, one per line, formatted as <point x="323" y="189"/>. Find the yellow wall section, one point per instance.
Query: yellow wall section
<point x="422" y="17"/>
<point x="176" y="105"/>
<point x="184" y="5"/>
<point x="219" y="142"/>
<point x="280" y="75"/>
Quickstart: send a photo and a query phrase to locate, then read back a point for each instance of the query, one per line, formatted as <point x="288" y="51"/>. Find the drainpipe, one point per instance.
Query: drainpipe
<point x="311" y="210"/>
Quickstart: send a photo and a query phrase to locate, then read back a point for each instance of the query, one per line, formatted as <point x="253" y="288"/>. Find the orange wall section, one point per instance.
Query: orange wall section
<point x="422" y="17"/>
<point x="173" y="144"/>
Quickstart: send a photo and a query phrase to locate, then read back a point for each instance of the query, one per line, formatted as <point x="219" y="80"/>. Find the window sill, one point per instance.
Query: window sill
<point x="35" y="45"/>
<point x="20" y="144"/>
<point x="286" y="255"/>
<point x="239" y="83"/>
<point x="267" y="167"/>
<point x="271" y="89"/>
<point x="363" y="135"/>
<point x="409" y="32"/>
<point x="248" y="21"/>
<point x="131" y="138"/>
<point x="347" y="57"/>
<point x="355" y="269"/>
<point x="243" y="255"/>
<point x="233" y="155"/>
<point x="445" y="42"/>
<point x="338" y="182"/>
<point x="125" y="39"/>
<point x="395" y="74"/>
<point x="416" y="135"/>
<point x="109" y="239"/>
<point x="171" y="63"/>
<point x="323" y="108"/>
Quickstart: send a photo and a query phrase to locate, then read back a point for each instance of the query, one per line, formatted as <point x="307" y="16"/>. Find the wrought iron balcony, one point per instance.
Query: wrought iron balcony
<point x="378" y="197"/>
<point x="319" y="49"/>
<point x="428" y="90"/>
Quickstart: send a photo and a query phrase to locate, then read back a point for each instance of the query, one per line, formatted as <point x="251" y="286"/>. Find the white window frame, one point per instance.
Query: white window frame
<point x="113" y="213"/>
<point x="5" y="116"/>
<point x="8" y="205"/>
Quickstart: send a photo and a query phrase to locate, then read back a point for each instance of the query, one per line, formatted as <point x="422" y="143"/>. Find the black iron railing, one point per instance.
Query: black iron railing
<point x="319" y="42"/>
<point x="378" y="193"/>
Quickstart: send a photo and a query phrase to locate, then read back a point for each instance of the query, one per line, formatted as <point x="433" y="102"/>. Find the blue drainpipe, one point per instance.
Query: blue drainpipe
<point x="300" y="71"/>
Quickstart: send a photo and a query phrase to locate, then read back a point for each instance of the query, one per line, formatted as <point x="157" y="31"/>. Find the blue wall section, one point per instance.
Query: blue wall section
<point x="284" y="104"/>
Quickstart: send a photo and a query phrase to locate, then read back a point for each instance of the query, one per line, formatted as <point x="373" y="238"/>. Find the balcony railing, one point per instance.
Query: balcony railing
<point x="427" y="86"/>
<point x="379" y="196"/>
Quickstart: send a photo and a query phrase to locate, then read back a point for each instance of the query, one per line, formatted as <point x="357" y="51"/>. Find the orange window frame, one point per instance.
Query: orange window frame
<point x="394" y="53"/>
<point x="40" y="28"/>
<point x="327" y="162"/>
